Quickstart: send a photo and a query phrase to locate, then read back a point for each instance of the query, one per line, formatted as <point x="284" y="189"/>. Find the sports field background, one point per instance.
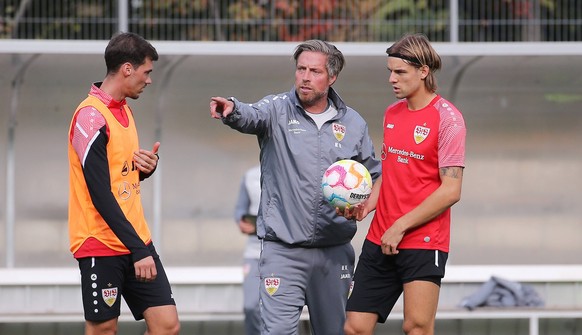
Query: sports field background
<point x="521" y="191"/>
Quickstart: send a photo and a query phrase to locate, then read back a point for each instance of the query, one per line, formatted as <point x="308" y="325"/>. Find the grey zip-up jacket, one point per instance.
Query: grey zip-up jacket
<point x="294" y="154"/>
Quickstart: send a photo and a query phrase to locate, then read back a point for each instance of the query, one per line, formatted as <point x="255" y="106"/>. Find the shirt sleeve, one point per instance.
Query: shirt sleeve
<point x="89" y="139"/>
<point x="253" y="118"/>
<point x="452" y="134"/>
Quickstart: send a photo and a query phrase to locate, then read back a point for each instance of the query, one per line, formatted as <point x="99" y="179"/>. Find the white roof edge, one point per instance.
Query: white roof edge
<point x="286" y="48"/>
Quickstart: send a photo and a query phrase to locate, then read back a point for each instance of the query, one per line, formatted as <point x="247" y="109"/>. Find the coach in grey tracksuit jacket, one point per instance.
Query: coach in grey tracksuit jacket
<point x="294" y="219"/>
<point x="293" y="209"/>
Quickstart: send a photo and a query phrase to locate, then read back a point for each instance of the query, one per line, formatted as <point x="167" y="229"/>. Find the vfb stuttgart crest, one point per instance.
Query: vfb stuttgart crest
<point x="272" y="285"/>
<point x="420" y="134"/>
<point x="109" y="295"/>
<point x="339" y="131"/>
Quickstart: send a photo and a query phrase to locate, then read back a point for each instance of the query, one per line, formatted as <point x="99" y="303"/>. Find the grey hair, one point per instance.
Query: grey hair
<point x="335" y="58"/>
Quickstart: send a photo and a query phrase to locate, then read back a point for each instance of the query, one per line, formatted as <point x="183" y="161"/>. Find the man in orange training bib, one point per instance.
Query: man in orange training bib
<point x="108" y="232"/>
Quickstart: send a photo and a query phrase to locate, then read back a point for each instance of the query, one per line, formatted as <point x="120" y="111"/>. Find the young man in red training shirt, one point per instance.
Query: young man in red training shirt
<point x="423" y="156"/>
<point x="108" y="232"/>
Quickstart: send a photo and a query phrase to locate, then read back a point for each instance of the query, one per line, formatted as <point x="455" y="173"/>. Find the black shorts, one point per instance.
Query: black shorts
<point x="104" y="280"/>
<point x="379" y="278"/>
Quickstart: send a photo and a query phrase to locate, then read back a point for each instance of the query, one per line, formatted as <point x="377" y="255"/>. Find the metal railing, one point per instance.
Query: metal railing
<point x="294" y="20"/>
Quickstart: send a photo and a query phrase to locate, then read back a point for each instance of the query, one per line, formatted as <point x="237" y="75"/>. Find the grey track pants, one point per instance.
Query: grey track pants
<point x="292" y="277"/>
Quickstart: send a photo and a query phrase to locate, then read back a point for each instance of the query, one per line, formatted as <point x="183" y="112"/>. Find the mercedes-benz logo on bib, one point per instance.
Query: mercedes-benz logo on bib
<point x="124" y="191"/>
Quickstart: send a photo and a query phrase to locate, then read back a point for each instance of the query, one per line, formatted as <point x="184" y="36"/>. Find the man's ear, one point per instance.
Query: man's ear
<point x="332" y="80"/>
<point x="127" y="69"/>
<point x="424" y="71"/>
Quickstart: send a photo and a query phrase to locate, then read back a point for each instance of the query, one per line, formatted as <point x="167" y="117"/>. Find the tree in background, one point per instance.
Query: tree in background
<point x="520" y="20"/>
<point x="391" y="19"/>
<point x="294" y="20"/>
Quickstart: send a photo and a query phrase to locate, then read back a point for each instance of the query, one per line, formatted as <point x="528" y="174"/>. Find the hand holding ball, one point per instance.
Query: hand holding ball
<point x="346" y="183"/>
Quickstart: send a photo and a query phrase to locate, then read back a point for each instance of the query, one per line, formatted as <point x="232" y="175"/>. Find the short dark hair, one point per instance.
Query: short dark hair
<point x="128" y="47"/>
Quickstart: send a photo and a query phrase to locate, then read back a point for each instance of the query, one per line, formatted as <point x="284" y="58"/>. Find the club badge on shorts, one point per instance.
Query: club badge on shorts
<point x="109" y="295"/>
<point x="272" y="284"/>
<point x="420" y="133"/>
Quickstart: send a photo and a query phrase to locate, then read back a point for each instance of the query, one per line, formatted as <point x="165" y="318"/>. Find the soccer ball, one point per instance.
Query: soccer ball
<point x="346" y="183"/>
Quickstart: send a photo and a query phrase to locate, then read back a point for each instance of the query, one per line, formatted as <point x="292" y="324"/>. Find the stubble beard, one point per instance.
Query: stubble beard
<point x="312" y="99"/>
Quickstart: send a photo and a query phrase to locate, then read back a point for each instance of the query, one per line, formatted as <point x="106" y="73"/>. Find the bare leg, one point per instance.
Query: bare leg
<point x="420" y="304"/>
<point x="162" y="320"/>
<point x="108" y="327"/>
<point x="359" y="323"/>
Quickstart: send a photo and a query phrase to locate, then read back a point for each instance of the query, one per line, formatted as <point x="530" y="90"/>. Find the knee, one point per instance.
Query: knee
<point x="162" y="320"/>
<point x="106" y="327"/>
<point x="175" y="329"/>
<point x="349" y="330"/>
<point x="172" y="328"/>
<point x="168" y="328"/>
<point x="415" y="328"/>
<point x="352" y="329"/>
